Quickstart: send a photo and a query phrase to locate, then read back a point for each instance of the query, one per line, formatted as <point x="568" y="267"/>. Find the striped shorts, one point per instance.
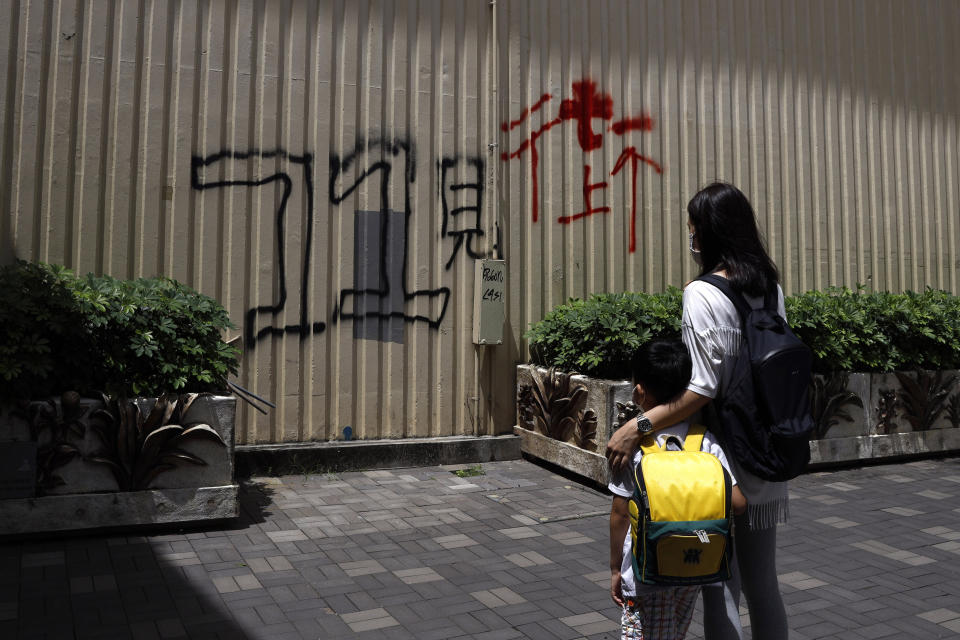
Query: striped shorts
<point x="660" y="614"/>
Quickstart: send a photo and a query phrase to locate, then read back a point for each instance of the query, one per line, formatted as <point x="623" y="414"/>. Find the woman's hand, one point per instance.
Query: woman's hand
<point x="625" y="441"/>
<point x="622" y="445"/>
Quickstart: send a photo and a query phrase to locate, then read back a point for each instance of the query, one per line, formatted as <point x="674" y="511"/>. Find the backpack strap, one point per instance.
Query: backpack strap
<point x="694" y="440"/>
<point x="743" y="309"/>
<point x="649" y="444"/>
<point x="770" y="301"/>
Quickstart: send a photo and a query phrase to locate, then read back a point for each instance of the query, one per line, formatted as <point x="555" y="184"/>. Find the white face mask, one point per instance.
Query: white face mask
<point x="695" y="252"/>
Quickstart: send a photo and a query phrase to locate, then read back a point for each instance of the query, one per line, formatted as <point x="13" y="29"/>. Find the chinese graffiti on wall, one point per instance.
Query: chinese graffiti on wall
<point x="381" y="301"/>
<point x="586" y="106"/>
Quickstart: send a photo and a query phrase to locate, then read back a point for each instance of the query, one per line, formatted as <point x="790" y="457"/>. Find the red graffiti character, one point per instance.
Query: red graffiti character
<point x="630" y="154"/>
<point x="589" y="209"/>
<point x="586" y="105"/>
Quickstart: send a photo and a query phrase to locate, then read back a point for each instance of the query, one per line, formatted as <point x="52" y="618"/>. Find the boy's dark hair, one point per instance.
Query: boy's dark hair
<point x="663" y="367"/>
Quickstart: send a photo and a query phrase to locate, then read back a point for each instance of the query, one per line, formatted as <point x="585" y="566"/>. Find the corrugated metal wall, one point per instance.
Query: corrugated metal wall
<point x="838" y="119"/>
<point x="330" y="171"/>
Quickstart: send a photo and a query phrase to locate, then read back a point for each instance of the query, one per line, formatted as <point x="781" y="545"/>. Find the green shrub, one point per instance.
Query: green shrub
<point x="42" y="331"/>
<point x="61" y="332"/>
<point x="599" y="336"/>
<point x="860" y="331"/>
<point x="847" y="330"/>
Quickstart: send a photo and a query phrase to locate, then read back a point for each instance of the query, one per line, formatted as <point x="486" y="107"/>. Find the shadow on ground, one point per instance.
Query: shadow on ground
<point x="148" y="583"/>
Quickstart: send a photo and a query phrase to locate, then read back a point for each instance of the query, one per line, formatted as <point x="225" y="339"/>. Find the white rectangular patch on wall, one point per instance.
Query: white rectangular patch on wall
<point x="489" y="301"/>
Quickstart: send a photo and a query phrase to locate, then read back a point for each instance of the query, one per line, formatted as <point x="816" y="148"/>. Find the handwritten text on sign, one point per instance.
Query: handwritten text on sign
<point x="489" y="303"/>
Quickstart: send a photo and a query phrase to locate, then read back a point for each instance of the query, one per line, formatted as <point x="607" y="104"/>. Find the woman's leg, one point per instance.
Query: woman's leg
<point x="756" y="552"/>
<point x="721" y="608"/>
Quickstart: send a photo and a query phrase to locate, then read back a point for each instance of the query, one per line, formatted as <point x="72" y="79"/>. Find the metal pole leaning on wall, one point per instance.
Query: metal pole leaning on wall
<point x="494" y="145"/>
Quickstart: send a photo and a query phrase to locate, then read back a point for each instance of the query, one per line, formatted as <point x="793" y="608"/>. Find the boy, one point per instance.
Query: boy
<point x="661" y="371"/>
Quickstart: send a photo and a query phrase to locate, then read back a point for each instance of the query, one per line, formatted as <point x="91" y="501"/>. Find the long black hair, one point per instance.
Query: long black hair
<point x="726" y="228"/>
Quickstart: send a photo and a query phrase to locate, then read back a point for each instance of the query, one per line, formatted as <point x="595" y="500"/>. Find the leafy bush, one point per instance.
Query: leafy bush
<point x="42" y="331"/>
<point x="599" y="336"/>
<point x="880" y="331"/>
<point x="61" y="332"/>
<point x="847" y="330"/>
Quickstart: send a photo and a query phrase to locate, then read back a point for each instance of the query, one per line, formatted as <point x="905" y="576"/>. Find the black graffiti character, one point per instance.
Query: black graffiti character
<point x="380" y="300"/>
<point x="461" y="222"/>
<point x="259" y="168"/>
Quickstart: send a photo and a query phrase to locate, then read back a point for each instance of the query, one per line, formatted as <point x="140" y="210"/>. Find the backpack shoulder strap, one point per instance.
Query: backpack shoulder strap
<point x="743" y="309"/>
<point x="649" y="444"/>
<point x="694" y="440"/>
<point x="770" y="300"/>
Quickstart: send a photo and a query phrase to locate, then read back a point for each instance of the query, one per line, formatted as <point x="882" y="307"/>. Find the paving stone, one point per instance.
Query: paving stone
<point x="951" y="625"/>
<point x="934" y="495"/>
<point x="370" y="619"/>
<point x="362" y="567"/>
<point x="939" y="616"/>
<point x="455" y="541"/>
<point x="518" y="533"/>
<point x="838" y="523"/>
<point x="571" y="537"/>
<point x="902" y="511"/>
<point x="418" y="575"/>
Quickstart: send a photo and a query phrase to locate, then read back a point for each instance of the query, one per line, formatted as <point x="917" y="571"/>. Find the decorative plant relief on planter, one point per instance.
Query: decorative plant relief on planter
<point x="829" y="402"/>
<point x="116" y="455"/>
<point x="953" y="410"/>
<point x="555" y="407"/>
<point x="626" y="411"/>
<point x="51" y="426"/>
<point x="886" y="411"/>
<point x="137" y="449"/>
<point x="923" y="397"/>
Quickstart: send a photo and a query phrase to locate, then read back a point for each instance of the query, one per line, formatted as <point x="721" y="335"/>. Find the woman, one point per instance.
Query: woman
<point x="724" y="240"/>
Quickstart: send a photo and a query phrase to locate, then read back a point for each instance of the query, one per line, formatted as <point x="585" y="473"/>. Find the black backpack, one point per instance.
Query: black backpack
<point x="764" y="416"/>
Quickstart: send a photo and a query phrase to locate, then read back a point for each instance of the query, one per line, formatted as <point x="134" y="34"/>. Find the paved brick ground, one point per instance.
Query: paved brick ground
<point x="516" y="553"/>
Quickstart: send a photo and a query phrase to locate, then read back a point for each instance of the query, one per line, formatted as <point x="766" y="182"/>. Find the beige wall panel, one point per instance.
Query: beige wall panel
<point x="331" y="170"/>
<point x="27" y="107"/>
<point x="10" y="34"/>
<point x="88" y="210"/>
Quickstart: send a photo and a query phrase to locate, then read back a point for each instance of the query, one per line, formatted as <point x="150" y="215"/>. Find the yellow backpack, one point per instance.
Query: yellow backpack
<point x="681" y="522"/>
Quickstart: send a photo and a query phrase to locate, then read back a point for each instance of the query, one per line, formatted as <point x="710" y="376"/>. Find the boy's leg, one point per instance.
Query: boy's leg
<point x="721" y="607"/>
<point x="656" y="614"/>
<point x="664" y="614"/>
<point x="631" y="626"/>
<point x="684" y="604"/>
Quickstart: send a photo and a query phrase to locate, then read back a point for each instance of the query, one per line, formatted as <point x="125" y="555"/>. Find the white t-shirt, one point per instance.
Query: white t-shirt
<point x="710" y="328"/>
<point x="622" y="485"/>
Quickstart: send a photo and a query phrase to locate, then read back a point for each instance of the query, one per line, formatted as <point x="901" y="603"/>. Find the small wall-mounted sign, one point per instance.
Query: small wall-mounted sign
<point x="489" y="301"/>
<point x="18" y="469"/>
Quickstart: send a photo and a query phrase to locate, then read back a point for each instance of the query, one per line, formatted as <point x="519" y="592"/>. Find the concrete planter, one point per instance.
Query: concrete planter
<point x="75" y="480"/>
<point x="548" y="402"/>
<point x="564" y="455"/>
<point x="869" y="416"/>
<point x="860" y="416"/>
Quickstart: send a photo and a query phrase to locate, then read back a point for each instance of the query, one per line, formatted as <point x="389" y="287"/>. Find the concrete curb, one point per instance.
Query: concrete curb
<point x="338" y="456"/>
<point x="79" y="511"/>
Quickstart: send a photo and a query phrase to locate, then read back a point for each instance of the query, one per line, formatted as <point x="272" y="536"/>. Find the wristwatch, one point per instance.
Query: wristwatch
<point x="644" y="426"/>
